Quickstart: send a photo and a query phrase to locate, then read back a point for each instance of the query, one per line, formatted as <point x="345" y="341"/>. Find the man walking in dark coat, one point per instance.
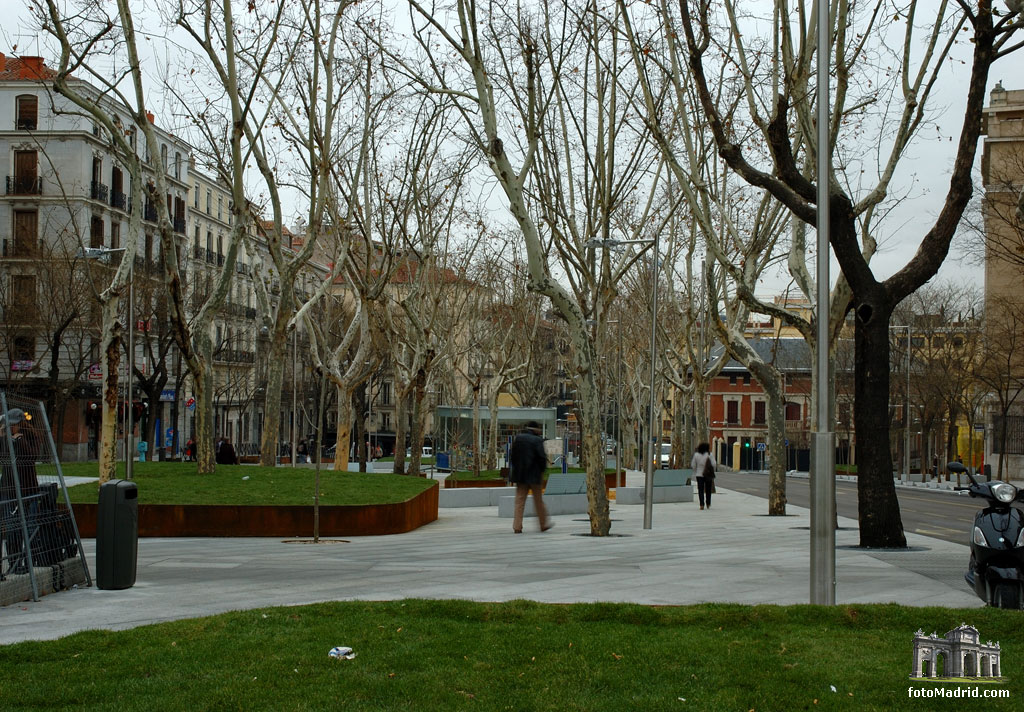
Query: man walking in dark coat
<point x="527" y="463"/>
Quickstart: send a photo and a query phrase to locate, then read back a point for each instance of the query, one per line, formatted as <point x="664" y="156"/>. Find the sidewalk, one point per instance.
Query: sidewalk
<point x="731" y="553"/>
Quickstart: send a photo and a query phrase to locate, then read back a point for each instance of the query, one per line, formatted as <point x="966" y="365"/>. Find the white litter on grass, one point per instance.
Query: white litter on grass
<point x="246" y="477"/>
<point x="833" y="688"/>
<point x="342" y="652"/>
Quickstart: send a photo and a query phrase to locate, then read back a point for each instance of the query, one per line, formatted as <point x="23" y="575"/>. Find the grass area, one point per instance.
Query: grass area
<point x="495" y="474"/>
<point x="178" y="483"/>
<point x="457" y="655"/>
<point x="846" y="469"/>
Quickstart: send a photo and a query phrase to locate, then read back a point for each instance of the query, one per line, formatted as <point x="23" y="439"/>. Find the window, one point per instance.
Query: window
<point x="23" y="351"/>
<point x="938" y="341"/>
<point x="27" y="112"/>
<point x="385" y="394"/>
<point x="209" y="201"/>
<point x="759" y="412"/>
<point x="792" y="411"/>
<point x="96" y="231"/>
<point x="115" y="234"/>
<point x="732" y="379"/>
<point x="195" y="196"/>
<point x="26" y="176"/>
<point x="209" y="241"/>
<point x="26" y="232"/>
<point x="23" y="299"/>
<point x="746" y="379"/>
<point x="177" y="165"/>
<point x="385" y="421"/>
<point x="220" y="208"/>
<point x="163" y="158"/>
<point x="198" y="244"/>
<point x="732" y="412"/>
<point x="149" y="247"/>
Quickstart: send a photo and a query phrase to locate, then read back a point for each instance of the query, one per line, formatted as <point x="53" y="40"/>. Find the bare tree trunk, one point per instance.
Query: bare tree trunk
<point x="111" y="339"/>
<point x="401" y="428"/>
<point x="476" y="428"/>
<point x="272" y="409"/>
<point x="492" y="432"/>
<point x="343" y="443"/>
<point x="880" y="521"/>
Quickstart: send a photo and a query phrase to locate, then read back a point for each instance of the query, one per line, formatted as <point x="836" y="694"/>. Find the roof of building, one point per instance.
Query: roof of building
<point x="24" y="69"/>
<point x="786" y="354"/>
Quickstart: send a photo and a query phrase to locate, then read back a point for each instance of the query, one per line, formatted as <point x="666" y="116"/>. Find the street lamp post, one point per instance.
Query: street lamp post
<point x="823" y="473"/>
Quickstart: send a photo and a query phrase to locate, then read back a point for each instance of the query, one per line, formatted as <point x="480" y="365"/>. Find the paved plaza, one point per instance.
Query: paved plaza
<point x="731" y="553"/>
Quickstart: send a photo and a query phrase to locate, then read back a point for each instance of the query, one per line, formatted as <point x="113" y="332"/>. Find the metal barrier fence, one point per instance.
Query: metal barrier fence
<point x="40" y="548"/>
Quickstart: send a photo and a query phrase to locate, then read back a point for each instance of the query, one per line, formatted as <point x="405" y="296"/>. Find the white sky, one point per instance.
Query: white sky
<point x="924" y="171"/>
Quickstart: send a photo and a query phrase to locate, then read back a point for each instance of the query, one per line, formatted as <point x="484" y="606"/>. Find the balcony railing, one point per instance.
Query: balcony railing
<point x="119" y="200"/>
<point x="20" y="248"/>
<point x="211" y="256"/>
<point x="234" y="356"/>
<point x="24" y="185"/>
<point x="198" y="252"/>
<point x="98" y="191"/>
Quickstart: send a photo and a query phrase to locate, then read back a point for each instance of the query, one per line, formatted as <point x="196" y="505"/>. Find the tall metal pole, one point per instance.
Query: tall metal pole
<point x="906" y="424"/>
<point x="618" y="405"/>
<point x="130" y="433"/>
<point x="823" y="480"/>
<point x="295" y="351"/>
<point x="649" y="483"/>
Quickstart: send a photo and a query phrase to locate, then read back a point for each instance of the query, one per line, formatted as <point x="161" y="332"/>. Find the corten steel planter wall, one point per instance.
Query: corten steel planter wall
<point x="169" y="520"/>
<point x="450" y="483"/>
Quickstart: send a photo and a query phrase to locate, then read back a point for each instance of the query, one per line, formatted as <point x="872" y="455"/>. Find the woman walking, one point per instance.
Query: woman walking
<point x="704" y="465"/>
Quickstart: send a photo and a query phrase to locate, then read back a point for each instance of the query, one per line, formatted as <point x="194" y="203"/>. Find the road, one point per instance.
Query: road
<point x="936" y="514"/>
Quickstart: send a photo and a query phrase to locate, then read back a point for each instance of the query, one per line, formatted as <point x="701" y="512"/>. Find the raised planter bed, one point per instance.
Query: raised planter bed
<point x="610" y="482"/>
<point x="170" y="520"/>
<point x="450" y="483"/>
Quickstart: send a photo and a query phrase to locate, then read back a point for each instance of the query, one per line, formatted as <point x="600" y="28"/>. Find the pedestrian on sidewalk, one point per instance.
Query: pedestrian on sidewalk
<point x="703" y="465"/>
<point x="527" y="463"/>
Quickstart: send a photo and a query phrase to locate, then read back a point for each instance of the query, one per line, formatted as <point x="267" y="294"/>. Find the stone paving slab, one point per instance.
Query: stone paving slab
<point x="731" y="553"/>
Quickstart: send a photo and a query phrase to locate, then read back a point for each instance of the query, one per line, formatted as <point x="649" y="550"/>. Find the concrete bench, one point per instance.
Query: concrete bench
<point x="473" y="496"/>
<point x="668" y="486"/>
<point x="565" y="493"/>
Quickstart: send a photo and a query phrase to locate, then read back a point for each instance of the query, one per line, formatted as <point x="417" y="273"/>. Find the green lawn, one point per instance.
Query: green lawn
<point x="456" y="655"/>
<point x="178" y="483"/>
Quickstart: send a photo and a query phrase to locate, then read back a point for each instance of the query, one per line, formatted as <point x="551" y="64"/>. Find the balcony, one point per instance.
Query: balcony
<point x="98" y="191"/>
<point x="24" y="185"/>
<point x="234" y="356"/>
<point x="211" y="257"/>
<point x="120" y="201"/>
<point x="198" y="252"/>
<point x="20" y="248"/>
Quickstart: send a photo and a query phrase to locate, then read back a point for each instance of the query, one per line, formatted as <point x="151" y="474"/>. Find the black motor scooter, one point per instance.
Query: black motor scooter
<point x="996" y="570"/>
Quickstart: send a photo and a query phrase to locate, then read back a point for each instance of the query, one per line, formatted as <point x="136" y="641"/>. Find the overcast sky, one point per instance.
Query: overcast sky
<point x="923" y="173"/>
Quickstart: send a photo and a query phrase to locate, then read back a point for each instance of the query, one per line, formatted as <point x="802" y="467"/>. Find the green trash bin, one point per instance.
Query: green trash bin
<point x="117" y="535"/>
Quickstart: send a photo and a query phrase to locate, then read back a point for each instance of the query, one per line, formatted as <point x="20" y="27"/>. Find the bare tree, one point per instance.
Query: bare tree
<point x="1000" y="370"/>
<point x="775" y="94"/>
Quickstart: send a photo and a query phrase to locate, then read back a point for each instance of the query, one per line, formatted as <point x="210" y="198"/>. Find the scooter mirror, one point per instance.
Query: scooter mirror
<point x="957" y="467"/>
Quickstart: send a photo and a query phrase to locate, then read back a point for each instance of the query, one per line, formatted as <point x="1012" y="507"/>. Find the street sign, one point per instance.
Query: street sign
<point x="167" y="395"/>
<point x="190" y="403"/>
<point x="979" y="427"/>
<point x="761" y="447"/>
